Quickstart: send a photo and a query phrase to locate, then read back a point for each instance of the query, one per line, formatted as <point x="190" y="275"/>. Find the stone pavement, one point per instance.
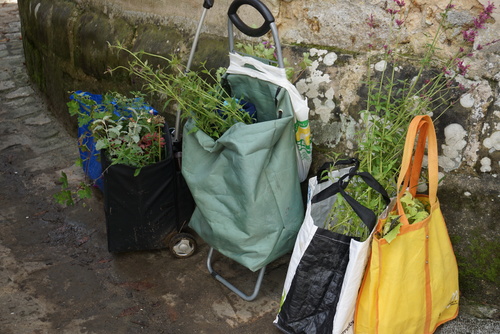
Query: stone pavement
<point x="56" y="275"/>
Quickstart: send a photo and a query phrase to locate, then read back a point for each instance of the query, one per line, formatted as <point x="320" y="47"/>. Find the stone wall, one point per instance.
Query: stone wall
<point x="66" y="49"/>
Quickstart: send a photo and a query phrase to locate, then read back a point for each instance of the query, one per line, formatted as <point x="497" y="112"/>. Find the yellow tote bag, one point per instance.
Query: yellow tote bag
<point x="411" y="284"/>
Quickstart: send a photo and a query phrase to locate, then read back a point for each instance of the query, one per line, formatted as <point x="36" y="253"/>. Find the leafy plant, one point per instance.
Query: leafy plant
<point x="130" y="133"/>
<point x="67" y="195"/>
<point x="394" y="98"/>
<point x="413" y="208"/>
<point x="415" y="211"/>
<point x="200" y="95"/>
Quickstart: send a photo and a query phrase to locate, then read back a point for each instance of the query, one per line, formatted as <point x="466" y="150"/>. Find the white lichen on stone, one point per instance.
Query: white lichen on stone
<point x="310" y="85"/>
<point x="316" y="52"/>
<point x="330" y="59"/>
<point x="485" y="165"/>
<point x="381" y="66"/>
<point x="492" y="143"/>
<point x="467" y="101"/>
<point x="452" y="149"/>
<point x="486" y="128"/>
<point x="496" y="113"/>
<point x="313" y="85"/>
<point x="479" y="99"/>
<point x="330" y="93"/>
<point x="350" y="130"/>
<point x="323" y="109"/>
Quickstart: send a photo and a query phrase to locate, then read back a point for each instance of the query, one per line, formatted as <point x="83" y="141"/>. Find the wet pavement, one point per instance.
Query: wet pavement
<point x="56" y="275"/>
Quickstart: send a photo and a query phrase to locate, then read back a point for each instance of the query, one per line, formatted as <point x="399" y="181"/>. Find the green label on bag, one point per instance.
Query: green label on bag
<point x="303" y="138"/>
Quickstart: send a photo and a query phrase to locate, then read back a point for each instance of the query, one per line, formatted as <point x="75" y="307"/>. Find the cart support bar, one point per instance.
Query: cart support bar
<point x="206" y="6"/>
<point x="232" y="287"/>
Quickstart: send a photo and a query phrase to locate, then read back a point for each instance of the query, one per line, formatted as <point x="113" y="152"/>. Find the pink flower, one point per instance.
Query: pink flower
<point x="469" y="35"/>
<point x="462" y="68"/>
<point x="400" y="3"/>
<point x="478" y="23"/>
<point x="148" y="139"/>
<point x="371" y="21"/>
<point x="493" y="42"/>
<point x="399" y="22"/>
<point x="392" y="11"/>
<point x="489" y="9"/>
<point x="268" y="45"/>
<point x="450" y="6"/>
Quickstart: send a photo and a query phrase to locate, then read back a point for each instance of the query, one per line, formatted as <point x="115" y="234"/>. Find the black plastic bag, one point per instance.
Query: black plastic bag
<point x="318" y="271"/>
<point x="140" y="210"/>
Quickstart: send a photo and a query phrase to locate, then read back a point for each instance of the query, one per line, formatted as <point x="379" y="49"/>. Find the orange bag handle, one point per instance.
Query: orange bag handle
<point x="412" y="176"/>
<point x="421" y="127"/>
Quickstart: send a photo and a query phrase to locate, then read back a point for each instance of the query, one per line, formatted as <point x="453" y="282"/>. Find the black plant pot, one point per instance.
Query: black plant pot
<point x="141" y="211"/>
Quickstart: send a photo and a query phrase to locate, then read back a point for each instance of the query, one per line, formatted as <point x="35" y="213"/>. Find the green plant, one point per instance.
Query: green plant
<point x="200" y="95"/>
<point x="266" y="50"/>
<point x="415" y="211"/>
<point x="394" y="98"/>
<point x="68" y="195"/>
<point x="129" y="133"/>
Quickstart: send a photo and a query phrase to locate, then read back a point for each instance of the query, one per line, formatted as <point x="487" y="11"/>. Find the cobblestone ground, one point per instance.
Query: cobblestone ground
<point x="56" y="275"/>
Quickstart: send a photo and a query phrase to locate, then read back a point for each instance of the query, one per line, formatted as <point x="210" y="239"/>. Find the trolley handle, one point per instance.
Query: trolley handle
<point x="242" y="26"/>
<point x="268" y="24"/>
<point x="208" y="4"/>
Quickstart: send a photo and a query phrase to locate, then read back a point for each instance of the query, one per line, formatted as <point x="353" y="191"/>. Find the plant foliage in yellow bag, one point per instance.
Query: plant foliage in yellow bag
<point x="411" y="281"/>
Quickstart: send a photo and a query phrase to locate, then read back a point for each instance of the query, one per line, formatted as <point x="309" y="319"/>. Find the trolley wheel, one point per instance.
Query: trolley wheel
<point x="182" y="245"/>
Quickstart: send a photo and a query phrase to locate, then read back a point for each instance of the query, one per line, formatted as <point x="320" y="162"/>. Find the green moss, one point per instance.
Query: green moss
<point x="58" y="30"/>
<point x="160" y="40"/>
<point x="483" y="261"/>
<point x="213" y="50"/>
<point x="92" y="34"/>
<point x="455" y="239"/>
<point x="478" y="266"/>
<point x="34" y="65"/>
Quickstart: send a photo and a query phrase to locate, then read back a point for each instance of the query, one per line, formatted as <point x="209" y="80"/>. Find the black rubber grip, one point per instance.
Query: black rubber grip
<point x="260" y="7"/>
<point x="208" y="4"/>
